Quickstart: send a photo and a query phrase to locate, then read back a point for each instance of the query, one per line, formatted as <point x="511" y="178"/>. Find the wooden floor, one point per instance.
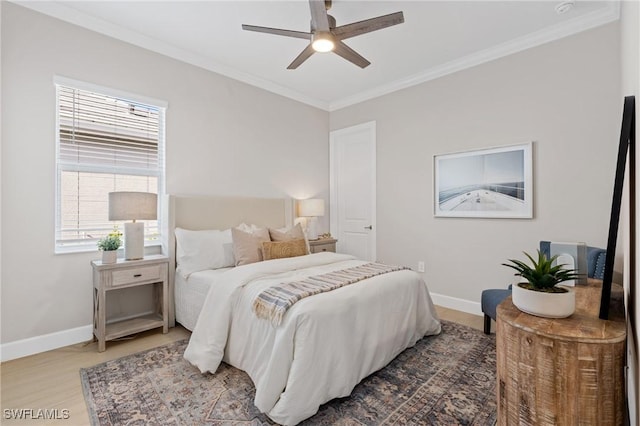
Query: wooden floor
<point x="51" y="380"/>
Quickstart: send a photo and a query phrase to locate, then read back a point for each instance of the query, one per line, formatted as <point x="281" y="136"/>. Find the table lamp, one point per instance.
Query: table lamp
<point x="311" y="209"/>
<point x="133" y="206"/>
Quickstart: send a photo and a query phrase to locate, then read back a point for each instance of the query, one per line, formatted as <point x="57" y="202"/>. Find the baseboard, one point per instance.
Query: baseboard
<point x="46" y="342"/>
<point x="462" y="305"/>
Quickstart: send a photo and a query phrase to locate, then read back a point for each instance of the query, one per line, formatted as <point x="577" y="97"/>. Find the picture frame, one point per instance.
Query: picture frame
<point x="485" y="183"/>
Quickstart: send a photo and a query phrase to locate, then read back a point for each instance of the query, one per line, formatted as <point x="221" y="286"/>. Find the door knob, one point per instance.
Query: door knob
<point x="368" y="227"/>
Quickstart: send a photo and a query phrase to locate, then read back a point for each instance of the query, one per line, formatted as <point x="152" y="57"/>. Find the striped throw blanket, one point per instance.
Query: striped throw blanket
<point x="273" y="302"/>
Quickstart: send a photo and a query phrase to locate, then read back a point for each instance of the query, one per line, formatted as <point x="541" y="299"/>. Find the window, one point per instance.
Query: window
<point x="105" y="143"/>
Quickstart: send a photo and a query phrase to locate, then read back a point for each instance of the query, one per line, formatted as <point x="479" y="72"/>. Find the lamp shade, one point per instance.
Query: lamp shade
<point x="312" y="207"/>
<point x="133" y="206"/>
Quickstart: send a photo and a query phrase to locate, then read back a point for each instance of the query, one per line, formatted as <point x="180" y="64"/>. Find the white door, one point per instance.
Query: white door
<point x="353" y="190"/>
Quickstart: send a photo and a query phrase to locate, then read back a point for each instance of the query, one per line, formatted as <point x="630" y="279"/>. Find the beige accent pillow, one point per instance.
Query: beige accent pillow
<point x="282" y="249"/>
<point x="247" y="247"/>
<point x="294" y="233"/>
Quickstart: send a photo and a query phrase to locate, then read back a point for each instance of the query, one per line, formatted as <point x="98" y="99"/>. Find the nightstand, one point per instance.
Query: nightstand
<point x="152" y="270"/>
<point x="323" y="244"/>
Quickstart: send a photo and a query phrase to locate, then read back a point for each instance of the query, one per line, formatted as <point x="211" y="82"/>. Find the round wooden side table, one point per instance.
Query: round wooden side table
<point x="566" y="371"/>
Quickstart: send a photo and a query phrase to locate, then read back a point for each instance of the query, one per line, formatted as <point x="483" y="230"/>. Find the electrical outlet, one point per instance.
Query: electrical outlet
<point x="420" y="266"/>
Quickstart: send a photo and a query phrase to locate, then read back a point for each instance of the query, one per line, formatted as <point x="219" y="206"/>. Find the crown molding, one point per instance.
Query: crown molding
<point x="556" y="32"/>
<point x="81" y="19"/>
<point x="582" y="23"/>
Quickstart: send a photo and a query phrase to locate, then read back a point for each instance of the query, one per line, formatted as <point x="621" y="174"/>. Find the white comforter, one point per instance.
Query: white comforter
<point x="325" y="344"/>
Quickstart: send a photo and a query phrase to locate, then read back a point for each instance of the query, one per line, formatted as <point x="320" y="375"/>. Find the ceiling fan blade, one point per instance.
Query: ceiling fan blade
<point x="350" y="55"/>
<point x="277" y="31"/>
<point x="303" y="56"/>
<point x="362" y="27"/>
<point x="319" y="19"/>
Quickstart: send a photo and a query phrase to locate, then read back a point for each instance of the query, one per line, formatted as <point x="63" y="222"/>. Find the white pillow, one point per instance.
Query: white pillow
<point x="250" y="229"/>
<point x="201" y="250"/>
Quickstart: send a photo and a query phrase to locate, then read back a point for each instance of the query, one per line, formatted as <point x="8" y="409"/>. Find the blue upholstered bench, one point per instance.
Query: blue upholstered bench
<point x="490" y="299"/>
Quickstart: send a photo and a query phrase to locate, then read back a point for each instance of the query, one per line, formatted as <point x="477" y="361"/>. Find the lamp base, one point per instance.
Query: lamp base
<point x="312" y="228"/>
<point x="133" y="240"/>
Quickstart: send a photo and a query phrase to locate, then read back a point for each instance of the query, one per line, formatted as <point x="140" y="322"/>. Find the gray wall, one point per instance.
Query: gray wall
<point x="223" y="137"/>
<point x="564" y="96"/>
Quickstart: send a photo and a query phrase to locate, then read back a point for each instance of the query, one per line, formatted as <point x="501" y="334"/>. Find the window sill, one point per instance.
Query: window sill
<point x="151" y="247"/>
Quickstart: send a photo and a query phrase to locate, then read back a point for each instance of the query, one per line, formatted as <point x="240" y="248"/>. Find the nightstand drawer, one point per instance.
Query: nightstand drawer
<point x="324" y="247"/>
<point x="135" y="275"/>
<point x="318" y="246"/>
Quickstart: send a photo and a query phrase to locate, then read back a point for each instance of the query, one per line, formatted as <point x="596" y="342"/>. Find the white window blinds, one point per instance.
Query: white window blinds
<point x="105" y="144"/>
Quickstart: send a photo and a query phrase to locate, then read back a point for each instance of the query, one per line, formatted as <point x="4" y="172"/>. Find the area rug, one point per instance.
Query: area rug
<point x="448" y="379"/>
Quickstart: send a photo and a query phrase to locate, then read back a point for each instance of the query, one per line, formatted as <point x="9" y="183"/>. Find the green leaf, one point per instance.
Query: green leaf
<point x="542" y="274"/>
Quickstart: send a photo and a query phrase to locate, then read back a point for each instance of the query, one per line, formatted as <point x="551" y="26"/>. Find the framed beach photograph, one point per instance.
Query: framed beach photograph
<point x="490" y="183"/>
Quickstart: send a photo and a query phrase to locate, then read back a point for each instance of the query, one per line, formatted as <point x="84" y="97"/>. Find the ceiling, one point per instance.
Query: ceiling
<point x="437" y="38"/>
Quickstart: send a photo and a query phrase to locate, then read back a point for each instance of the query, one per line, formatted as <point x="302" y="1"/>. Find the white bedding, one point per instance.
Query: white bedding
<point x="325" y="345"/>
<point x="190" y="294"/>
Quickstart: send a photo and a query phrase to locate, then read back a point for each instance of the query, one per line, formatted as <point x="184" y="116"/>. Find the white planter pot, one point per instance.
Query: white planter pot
<point x="547" y="305"/>
<point x="110" y="256"/>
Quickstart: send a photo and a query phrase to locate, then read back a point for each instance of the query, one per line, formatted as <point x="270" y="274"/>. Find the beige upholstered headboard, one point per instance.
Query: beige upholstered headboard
<point x="206" y="212"/>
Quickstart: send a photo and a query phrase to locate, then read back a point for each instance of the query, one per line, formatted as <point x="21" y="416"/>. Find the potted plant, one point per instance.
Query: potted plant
<point x="541" y="295"/>
<point x="109" y="246"/>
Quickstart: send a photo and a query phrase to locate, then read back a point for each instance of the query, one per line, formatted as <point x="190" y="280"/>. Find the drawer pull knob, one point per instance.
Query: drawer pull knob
<point x="137" y="275"/>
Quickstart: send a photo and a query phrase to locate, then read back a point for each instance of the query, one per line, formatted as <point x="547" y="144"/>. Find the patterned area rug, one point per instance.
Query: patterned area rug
<point x="447" y="379"/>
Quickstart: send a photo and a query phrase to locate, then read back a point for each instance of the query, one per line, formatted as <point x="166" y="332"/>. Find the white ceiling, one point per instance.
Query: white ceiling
<point x="437" y="38"/>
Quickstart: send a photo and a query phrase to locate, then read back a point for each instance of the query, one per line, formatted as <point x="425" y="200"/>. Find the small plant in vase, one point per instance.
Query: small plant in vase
<point x="109" y="245"/>
<point x="540" y="295"/>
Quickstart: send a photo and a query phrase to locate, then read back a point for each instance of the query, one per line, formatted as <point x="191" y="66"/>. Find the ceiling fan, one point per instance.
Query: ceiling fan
<point x="326" y="37"/>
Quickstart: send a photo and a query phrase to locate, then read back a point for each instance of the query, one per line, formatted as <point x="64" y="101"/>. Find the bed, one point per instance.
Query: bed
<point x="207" y="212"/>
<point x="324" y="346"/>
<point x="190" y="294"/>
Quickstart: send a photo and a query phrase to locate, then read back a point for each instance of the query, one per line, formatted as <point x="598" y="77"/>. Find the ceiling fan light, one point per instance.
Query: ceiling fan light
<point x="322" y="42"/>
